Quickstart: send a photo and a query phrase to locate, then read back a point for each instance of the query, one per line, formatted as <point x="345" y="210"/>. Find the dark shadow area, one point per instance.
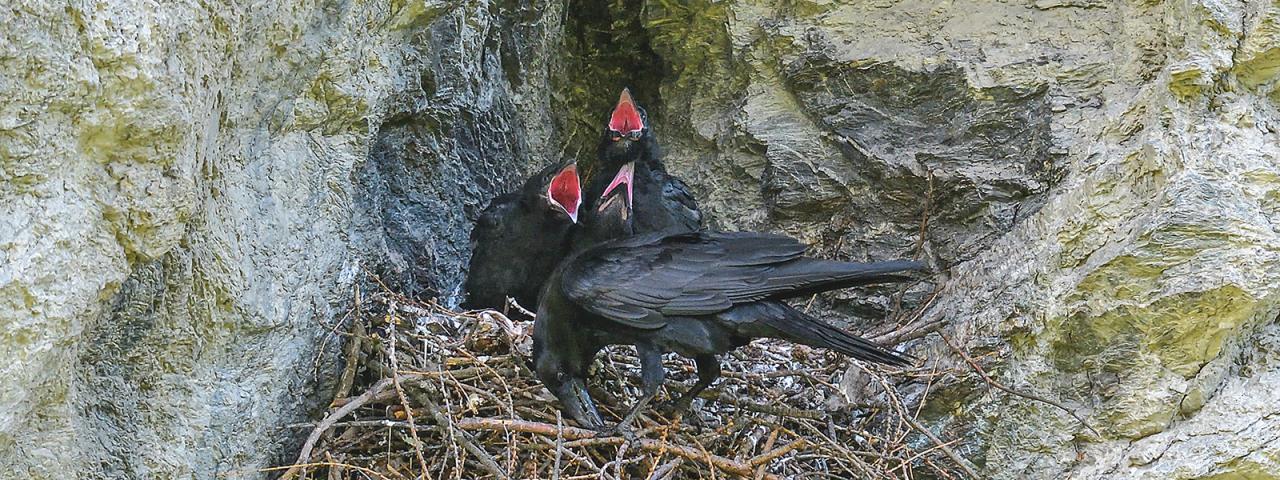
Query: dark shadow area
<point x="450" y="143"/>
<point x="606" y="47"/>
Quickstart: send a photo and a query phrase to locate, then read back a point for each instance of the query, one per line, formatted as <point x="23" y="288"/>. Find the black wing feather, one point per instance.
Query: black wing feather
<point x="639" y="281"/>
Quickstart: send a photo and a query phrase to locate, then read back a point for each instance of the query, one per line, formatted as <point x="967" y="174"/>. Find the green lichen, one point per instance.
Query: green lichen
<point x="1184" y="331"/>
<point x="127" y="135"/>
<point x="130" y="119"/>
<point x="414" y="14"/>
<point x="1188" y="84"/>
<point x="1258" y="59"/>
<point x="332" y="109"/>
<point x="1247" y="469"/>
<point x="807" y="8"/>
<point x="705" y="76"/>
<point x="691" y="37"/>
<point x="1261" y="69"/>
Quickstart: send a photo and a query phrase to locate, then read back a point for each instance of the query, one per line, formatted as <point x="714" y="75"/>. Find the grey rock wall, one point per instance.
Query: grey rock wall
<point x="1098" y="182"/>
<point x="188" y="192"/>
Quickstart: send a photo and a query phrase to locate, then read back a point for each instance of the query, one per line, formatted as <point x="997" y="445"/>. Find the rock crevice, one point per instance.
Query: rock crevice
<point x="188" y="192"/>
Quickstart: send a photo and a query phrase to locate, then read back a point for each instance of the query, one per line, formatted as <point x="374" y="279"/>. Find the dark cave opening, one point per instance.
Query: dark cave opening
<point x="606" y="48"/>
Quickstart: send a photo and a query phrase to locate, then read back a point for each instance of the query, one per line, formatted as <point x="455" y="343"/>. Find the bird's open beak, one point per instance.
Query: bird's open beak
<point x="566" y="192"/>
<point x="577" y="403"/>
<point x="626" y="117"/>
<point x="625" y="176"/>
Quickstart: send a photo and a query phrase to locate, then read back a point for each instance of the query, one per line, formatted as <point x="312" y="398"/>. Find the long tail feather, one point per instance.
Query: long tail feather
<point x="808" y="276"/>
<point x="799" y="327"/>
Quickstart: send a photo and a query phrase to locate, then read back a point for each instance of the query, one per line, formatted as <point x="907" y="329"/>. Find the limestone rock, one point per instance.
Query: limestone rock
<point x="1098" y="182"/>
<point x="190" y="190"/>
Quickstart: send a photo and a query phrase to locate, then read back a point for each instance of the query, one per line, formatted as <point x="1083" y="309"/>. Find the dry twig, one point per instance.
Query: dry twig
<point x="467" y="372"/>
<point x="994" y="384"/>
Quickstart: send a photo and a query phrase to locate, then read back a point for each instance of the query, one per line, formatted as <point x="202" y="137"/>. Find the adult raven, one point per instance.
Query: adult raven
<point x="699" y="294"/>
<point x="663" y="201"/>
<point x="521" y="236"/>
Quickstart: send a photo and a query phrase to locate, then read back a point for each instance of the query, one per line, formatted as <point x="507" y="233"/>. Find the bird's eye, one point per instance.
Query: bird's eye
<point x="634" y="135"/>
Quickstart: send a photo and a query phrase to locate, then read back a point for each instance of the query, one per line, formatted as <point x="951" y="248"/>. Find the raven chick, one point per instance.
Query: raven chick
<point x="521" y="236"/>
<point x="663" y="201"/>
<point x="699" y="294"/>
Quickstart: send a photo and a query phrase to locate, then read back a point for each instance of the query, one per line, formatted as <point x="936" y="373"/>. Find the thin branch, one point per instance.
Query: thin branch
<point x="666" y="470"/>
<point x="468" y="443"/>
<point x="992" y="383"/>
<point x="292" y="468"/>
<point x="968" y="467"/>
<point x="352" y="353"/>
<point x="762" y="459"/>
<point x="572" y="433"/>
<point x="328" y="422"/>
<point x="404" y="402"/>
<point x="555" y="472"/>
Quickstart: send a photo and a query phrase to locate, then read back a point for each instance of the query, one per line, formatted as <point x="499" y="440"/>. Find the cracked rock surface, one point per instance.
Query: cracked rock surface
<point x="1099" y="182"/>
<point x="189" y="190"/>
<point x="188" y="193"/>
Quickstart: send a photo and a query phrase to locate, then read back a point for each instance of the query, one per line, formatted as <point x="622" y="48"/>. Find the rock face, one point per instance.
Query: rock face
<point x="188" y="193"/>
<point x="1100" y="181"/>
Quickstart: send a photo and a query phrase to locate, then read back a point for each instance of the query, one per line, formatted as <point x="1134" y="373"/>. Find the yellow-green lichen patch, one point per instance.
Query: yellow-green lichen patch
<point x="113" y="133"/>
<point x="1142" y="402"/>
<point x="689" y="35"/>
<point x="1258" y="58"/>
<point x="1189" y="83"/>
<point x="1184" y="331"/>
<point x="1108" y="200"/>
<point x="414" y="14"/>
<point x="329" y="106"/>
<point x="1249" y="468"/>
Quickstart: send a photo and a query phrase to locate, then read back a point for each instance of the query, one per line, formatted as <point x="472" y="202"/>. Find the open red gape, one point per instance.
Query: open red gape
<point x="566" y="192"/>
<point x="626" y="118"/>
<point x="624" y="177"/>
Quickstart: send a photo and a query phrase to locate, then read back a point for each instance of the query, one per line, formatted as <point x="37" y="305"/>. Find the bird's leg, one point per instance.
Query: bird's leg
<point x="651" y="377"/>
<point x="708" y="372"/>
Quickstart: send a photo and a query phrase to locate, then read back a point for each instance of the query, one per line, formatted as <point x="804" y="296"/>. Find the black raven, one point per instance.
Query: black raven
<point x="699" y="294"/>
<point x="521" y="236"/>
<point x="663" y="201"/>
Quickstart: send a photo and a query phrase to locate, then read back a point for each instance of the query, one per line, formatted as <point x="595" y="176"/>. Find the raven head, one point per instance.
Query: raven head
<point x="565" y="382"/>
<point x="559" y="189"/>
<point x="613" y="214"/>
<point x="627" y="132"/>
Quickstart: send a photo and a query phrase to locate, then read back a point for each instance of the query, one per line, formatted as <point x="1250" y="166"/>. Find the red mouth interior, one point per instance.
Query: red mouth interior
<point x="626" y="118"/>
<point x="565" y="190"/>
<point x="624" y="176"/>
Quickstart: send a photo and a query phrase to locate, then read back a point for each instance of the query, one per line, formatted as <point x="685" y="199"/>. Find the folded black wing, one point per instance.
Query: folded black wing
<point x="679" y="203"/>
<point x="639" y="281"/>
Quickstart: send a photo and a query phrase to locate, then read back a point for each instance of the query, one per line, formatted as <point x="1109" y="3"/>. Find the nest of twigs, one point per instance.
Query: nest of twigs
<point x="432" y="393"/>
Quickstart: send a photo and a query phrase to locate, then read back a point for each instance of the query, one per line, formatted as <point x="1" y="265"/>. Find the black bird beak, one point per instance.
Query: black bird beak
<point x="577" y="403"/>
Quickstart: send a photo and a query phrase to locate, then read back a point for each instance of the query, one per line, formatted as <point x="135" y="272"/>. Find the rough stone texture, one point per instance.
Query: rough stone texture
<point x="188" y="192"/>
<point x="1103" y="181"/>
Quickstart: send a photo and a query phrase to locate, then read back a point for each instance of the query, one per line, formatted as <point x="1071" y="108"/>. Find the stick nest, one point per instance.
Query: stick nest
<point x="445" y="394"/>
